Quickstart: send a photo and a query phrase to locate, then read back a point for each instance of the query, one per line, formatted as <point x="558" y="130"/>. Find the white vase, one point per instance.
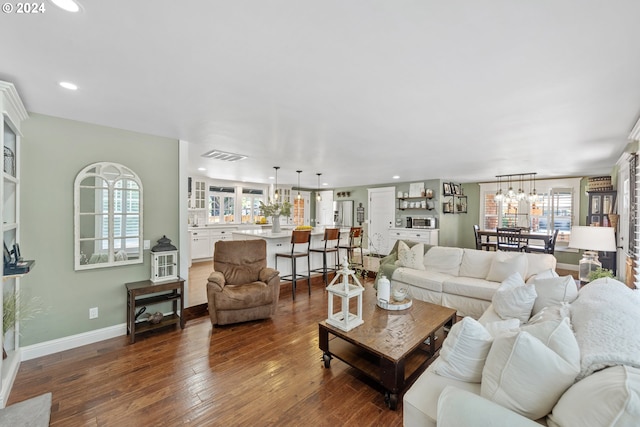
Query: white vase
<point x="275" y="224"/>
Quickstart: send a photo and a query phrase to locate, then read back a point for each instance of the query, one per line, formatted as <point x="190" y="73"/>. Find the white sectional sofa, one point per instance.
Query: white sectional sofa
<point x="575" y="362"/>
<point x="464" y="279"/>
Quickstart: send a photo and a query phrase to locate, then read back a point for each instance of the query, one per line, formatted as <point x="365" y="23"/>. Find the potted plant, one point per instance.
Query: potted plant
<point x="600" y="272"/>
<point x="14" y="309"/>
<point x="274" y="210"/>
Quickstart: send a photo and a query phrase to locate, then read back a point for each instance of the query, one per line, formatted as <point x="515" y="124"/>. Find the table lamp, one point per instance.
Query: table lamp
<point x="592" y="240"/>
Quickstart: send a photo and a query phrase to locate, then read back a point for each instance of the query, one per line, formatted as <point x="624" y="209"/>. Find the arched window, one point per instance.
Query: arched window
<point x="108" y="216"/>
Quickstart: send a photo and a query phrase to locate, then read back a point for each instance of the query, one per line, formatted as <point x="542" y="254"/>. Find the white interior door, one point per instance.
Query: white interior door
<point x="382" y="212"/>
<point x="324" y="209"/>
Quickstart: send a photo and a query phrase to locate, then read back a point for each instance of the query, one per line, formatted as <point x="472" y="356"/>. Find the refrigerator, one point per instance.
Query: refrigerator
<point x="343" y="213"/>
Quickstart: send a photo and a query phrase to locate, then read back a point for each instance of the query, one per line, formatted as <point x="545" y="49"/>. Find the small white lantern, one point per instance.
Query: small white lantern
<point x="164" y="261"/>
<point x="344" y="319"/>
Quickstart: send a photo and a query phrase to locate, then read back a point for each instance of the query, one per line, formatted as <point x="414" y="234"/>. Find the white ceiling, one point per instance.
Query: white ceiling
<point x="357" y="90"/>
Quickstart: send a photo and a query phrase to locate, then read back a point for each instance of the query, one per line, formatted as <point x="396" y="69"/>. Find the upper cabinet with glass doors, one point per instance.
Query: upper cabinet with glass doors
<point x="108" y="216"/>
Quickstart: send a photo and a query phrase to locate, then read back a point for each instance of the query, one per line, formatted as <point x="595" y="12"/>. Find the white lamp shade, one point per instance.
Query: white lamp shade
<point x="593" y="238"/>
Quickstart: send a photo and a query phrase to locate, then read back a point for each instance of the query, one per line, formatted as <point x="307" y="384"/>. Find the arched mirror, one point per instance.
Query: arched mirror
<point x="108" y="216"/>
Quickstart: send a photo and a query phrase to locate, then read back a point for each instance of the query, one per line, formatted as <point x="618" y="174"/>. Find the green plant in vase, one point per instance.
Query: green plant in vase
<point x="274" y="210"/>
<point x="18" y="309"/>
<point x="600" y="272"/>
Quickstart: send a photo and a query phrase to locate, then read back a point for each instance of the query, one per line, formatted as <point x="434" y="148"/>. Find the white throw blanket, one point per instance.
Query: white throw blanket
<point x="606" y="321"/>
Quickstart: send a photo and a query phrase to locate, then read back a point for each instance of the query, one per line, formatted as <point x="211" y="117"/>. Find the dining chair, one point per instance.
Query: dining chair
<point x="548" y="248"/>
<point x="511" y="239"/>
<point x="480" y="245"/>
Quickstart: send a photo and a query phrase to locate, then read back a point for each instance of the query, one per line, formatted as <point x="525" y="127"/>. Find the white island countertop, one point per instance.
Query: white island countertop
<point x="269" y="235"/>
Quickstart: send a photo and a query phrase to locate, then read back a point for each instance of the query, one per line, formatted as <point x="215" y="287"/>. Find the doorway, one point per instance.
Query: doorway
<point x="381" y="217"/>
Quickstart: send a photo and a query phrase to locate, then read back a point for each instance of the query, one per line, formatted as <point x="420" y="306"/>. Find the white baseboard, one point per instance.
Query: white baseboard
<point x="67" y="343"/>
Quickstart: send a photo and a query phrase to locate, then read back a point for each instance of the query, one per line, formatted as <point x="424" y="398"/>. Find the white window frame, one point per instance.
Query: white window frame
<point x="220" y="218"/>
<point x="253" y="199"/>
<point x="547" y="186"/>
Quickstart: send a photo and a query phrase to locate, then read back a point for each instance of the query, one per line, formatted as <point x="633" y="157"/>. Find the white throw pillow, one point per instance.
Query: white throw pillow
<point x="610" y="397"/>
<point x="476" y="263"/>
<point x="553" y="312"/>
<point x="545" y="274"/>
<point x="554" y="291"/>
<point x="443" y="259"/>
<point x="502" y="326"/>
<point x="523" y="374"/>
<point x="464" y="351"/>
<point x="411" y="257"/>
<point x="504" y="264"/>
<point x="514" y="299"/>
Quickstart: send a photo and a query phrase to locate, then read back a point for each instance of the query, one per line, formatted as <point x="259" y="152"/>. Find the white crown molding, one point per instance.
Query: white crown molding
<point x="635" y="132"/>
<point x="12" y="105"/>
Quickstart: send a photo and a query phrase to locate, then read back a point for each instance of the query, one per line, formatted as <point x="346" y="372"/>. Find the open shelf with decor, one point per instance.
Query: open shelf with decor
<point x="13" y="115"/>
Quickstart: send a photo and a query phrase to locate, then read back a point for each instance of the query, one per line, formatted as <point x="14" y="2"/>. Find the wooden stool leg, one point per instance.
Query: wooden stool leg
<point x="293" y="277"/>
<point x="309" y="273"/>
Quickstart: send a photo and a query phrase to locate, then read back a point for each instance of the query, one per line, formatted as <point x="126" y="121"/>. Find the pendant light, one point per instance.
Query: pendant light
<point x="275" y="193"/>
<point x="499" y="195"/>
<point x="521" y="194"/>
<point x="318" y="196"/>
<point x="299" y="196"/>
<point x="533" y="195"/>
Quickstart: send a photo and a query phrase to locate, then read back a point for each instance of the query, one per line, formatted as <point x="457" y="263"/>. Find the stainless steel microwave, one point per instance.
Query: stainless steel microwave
<point x="423" y="223"/>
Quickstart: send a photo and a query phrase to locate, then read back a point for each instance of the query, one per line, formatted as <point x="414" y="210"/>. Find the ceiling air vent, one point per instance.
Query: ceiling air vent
<point x="223" y="155"/>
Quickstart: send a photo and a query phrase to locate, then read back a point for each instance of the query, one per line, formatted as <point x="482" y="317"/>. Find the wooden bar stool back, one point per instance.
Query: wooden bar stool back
<point x="331" y="239"/>
<point x="300" y="242"/>
<point x="355" y="242"/>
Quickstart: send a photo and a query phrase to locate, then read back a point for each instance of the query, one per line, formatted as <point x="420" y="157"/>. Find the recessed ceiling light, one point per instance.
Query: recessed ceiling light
<point x="68" y="85"/>
<point x="68" y="5"/>
<point x="396" y="177"/>
<point x="202" y="169"/>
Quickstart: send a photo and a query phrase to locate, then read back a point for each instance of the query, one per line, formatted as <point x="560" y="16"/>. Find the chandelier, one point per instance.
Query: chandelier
<point x="519" y="179"/>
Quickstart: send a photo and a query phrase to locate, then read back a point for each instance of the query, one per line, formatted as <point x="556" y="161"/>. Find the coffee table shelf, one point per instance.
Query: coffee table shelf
<point x="372" y="349"/>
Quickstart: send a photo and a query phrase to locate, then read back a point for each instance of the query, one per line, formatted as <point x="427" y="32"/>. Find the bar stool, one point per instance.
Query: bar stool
<point x="298" y="237"/>
<point x="355" y="242"/>
<point x="330" y="235"/>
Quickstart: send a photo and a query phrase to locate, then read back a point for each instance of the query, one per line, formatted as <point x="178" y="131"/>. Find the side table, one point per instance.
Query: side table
<point x="157" y="293"/>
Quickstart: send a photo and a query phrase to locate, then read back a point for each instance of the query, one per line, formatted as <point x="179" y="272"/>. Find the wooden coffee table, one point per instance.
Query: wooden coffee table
<point x="391" y="347"/>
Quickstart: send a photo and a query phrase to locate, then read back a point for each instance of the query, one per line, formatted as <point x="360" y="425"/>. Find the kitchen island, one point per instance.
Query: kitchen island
<point x="281" y="242"/>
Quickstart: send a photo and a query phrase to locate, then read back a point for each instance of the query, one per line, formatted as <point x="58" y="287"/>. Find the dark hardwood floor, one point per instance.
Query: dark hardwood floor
<point x="263" y="373"/>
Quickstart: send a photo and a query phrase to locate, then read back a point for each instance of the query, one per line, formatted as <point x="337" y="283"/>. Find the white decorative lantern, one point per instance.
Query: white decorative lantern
<point x="345" y="290"/>
<point x="164" y="261"/>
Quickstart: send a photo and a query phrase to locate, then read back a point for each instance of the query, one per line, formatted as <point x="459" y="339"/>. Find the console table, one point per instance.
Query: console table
<point x="146" y="292"/>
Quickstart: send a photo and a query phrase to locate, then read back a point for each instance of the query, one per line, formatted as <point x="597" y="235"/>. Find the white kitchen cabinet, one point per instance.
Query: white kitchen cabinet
<point x="198" y="195"/>
<point x="428" y="236"/>
<point x="203" y="241"/>
<point x="200" y="244"/>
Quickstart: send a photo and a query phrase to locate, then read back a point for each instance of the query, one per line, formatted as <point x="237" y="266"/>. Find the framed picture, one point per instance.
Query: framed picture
<point x="446" y="189"/>
<point x="457" y="190"/>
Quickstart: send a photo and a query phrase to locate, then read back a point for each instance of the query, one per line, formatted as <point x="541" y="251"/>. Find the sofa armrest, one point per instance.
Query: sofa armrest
<point x="267" y="273"/>
<point x="216" y="281"/>
<point x="457" y="407"/>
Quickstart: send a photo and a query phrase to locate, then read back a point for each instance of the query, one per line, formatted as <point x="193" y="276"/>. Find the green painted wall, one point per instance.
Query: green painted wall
<point x="54" y="150"/>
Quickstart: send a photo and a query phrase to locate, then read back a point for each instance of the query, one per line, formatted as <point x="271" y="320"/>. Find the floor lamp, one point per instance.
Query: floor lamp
<point x="592" y="240"/>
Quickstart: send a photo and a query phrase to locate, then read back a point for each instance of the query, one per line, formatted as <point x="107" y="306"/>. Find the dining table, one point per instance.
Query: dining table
<point x="490" y="236"/>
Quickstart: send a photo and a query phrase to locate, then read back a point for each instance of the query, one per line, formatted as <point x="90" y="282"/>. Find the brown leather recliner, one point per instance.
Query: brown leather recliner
<point x="242" y="287"/>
